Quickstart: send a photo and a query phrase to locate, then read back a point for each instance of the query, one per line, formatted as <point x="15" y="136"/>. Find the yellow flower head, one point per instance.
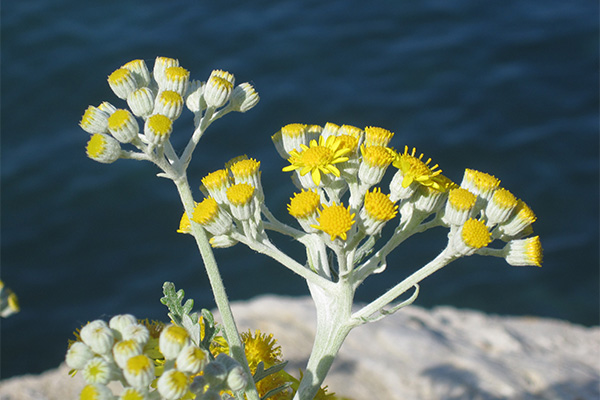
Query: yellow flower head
<point x="348" y="142"/>
<point x="459" y="206"/>
<point x="304" y="204"/>
<point x="335" y="220"/>
<point x="379" y="206"/>
<point x="522" y="252"/>
<point x="140" y="71"/>
<point x="158" y="128"/>
<point x="184" y="224"/>
<point x="217" y="183"/>
<point x="169" y="103"/>
<point x="240" y="194"/>
<point x="176" y="79"/>
<point x="461" y="199"/>
<point x="319" y="157"/>
<point x="475" y="234"/>
<point x="377" y="136"/>
<point x="521" y="219"/>
<point x="261" y="347"/>
<point x="103" y="148"/>
<point x="500" y="206"/>
<point x="480" y="183"/>
<point x="415" y="170"/>
<point x="247" y="170"/>
<point x="205" y="211"/>
<point x="122" y="82"/>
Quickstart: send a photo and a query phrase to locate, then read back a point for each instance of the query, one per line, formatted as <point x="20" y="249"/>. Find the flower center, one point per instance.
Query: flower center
<point x="205" y="211"/>
<point x="240" y="194"/>
<point x="304" y="204"/>
<point x="461" y="199"/>
<point x="245" y="168"/>
<point x="216" y="179"/>
<point x="336" y="221"/>
<point x="159" y="124"/>
<point x="379" y="206"/>
<point x="96" y="146"/>
<point x="475" y="234"/>
<point x="317" y="156"/>
<point x="139" y="364"/>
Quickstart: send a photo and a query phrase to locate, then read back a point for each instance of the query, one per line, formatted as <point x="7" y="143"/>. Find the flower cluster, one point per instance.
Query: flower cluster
<point x="157" y="99"/>
<point x="151" y="361"/>
<point x="349" y="217"/>
<point x="334" y="163"/>
<point x="157" y="361"/>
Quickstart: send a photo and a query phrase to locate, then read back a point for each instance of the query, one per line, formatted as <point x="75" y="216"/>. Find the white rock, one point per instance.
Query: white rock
<point x="414" y="354"/>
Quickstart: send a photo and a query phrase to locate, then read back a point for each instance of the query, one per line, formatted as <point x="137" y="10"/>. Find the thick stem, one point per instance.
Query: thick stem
<point x="216" y="283"/>
<point x="333" y="316"/>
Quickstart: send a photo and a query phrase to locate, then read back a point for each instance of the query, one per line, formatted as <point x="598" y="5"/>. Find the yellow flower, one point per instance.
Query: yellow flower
<point x="480" y="183"/>
<point x="304" y="204"/>
<point x="521" y="252"/>
<point x="379" y="206"/>
<point x="319" y="157"/>
<point x="335" y="220"/>
<point x="415" y="170"/>
<point x="261" y="347"/>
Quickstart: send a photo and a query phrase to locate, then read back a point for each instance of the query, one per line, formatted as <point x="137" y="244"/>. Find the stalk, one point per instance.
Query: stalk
<point x="333" y="326"/>
<point x="216" y="283"/>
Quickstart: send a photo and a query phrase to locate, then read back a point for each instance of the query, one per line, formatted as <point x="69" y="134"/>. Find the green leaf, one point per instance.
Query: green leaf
<point x="262" y="373"/>
<point x="181" y="314"/>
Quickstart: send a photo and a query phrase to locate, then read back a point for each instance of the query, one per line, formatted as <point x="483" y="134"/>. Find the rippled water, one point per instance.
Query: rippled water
<point x="507" y="87"/>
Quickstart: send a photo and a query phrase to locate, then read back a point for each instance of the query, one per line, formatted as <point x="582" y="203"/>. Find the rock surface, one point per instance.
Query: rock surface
<point x="417" y="354"/>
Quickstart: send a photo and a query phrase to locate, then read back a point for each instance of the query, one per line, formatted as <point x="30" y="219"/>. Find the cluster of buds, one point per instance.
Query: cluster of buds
<point x="156" y="100"/>
<point x="150" y="361"/>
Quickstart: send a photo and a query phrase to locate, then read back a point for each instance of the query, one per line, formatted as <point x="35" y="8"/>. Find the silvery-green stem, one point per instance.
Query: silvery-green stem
<point x="333" y="325"/>
<point x="216" y="283"/>
<point x="443" y="259"/>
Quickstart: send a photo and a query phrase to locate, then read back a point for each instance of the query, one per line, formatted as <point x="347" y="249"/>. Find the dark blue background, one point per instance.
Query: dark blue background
<point x="506" y="87"/>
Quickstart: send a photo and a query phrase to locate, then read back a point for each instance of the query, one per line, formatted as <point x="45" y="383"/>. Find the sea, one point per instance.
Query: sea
<point x="507" y="87"/>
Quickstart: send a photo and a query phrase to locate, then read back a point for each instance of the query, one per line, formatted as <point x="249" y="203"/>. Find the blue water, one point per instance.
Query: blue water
<point x="510" y="88"/>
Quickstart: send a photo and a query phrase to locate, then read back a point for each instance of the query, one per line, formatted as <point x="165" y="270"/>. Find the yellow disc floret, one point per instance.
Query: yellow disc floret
<point x="348" y="142"/>
<point x="480" y="183"/>
<point x="96" y="146"/>
<point x="122" y="82"/>
<point x="119" y="76"/>
<point x="504" y="199"/>
<point x="379" y="206"/>
<point x="158" y="128"/>
<point x="261" y="347"/>
<point x="177" y="73"/>
<point x="205" y="211"/>
<point x="294" y="130"/>
<point x="475" y="234"/>
<point x="320" y="157"/>
<point x="304" y="204"/>
<point x="335" y="220"/>
<point x="216" y="180"/>
<point x="415" y="170"/>
<point x="461" y="199"/>
<point x="524" y="213"/>
<point x="245" y="168"/>
<point x="377" y="136"/>
<point x="377" y="156"/>
<point x="240" y="194"/>
<point x="534" y="251"/>
<point x="118" y="119"/>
